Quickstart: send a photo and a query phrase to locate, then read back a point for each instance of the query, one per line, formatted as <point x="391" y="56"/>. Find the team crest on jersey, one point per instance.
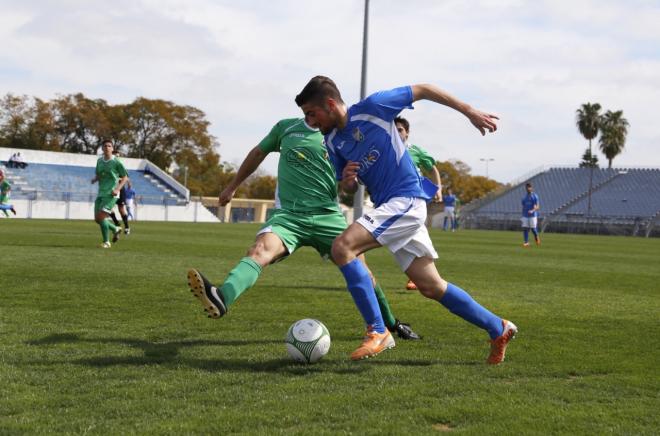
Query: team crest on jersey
<point x="357" y="135"/>
<point x="299" y="156"/>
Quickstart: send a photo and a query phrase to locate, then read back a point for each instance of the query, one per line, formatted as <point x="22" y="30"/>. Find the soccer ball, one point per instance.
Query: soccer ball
<point x="307" y="341"/>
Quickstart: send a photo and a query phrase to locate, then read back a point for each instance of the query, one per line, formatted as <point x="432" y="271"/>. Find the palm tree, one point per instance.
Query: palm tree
<point x="588" y="123"/>
<point x="614" y="129"/>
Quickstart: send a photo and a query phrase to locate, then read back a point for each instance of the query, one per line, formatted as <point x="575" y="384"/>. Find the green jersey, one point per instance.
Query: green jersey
<point x="305" y="177"/>
<point x="421" y="158"/>
<point x="5" y="187"/>
<point x="109" y="172"/>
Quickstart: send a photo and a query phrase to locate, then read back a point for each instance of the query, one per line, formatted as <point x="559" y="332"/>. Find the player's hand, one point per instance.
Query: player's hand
<point x="482" y="120"/>
<point x="225" y="196"/>
<point x="350" y="171"/>
<point x="115" y="192"/>
<point x="437" y="198"/>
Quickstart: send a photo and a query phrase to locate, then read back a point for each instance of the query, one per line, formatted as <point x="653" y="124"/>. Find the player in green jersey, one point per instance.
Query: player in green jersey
<point x="5" y="189"/>
<point x="111" y="175"/>
<point x="307" y="215"/>
<point x="425" y="164"/>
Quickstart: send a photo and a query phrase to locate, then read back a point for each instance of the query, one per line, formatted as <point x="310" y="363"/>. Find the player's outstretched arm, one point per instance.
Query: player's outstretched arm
<point x="483" y="121"/>
<point x="248" y="166"/>
<point x="434" y="176"/>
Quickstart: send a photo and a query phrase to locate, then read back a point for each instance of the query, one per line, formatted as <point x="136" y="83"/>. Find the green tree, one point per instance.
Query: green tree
<point x="262" y="186"/>
<point x="455" y="174"/>
<point x="589" y="160"/>
<point x="14" y="118"/>
<point x="205" y="174"/>
<point x="41" y="131"/>
<point x="81" y="123"/>
<point x="159" y="130"/>
<point x="614" y="129"/>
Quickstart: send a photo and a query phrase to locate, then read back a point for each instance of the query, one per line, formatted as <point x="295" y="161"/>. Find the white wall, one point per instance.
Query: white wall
<point x="42" y="209"/>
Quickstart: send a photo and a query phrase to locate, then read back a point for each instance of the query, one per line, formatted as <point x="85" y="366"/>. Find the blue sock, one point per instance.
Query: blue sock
<point x="460" y="303"/>
<point x="361" y="287"/>
<point x="536" y="235"/>
<point x="444" y="224"/>
<point x="526" y="235"/>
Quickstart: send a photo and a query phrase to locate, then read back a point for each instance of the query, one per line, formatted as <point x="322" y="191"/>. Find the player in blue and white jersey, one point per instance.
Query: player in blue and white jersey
<point x="450" y="210"/>
<point x="365" y="147"/>
<point x="530" y="215"/>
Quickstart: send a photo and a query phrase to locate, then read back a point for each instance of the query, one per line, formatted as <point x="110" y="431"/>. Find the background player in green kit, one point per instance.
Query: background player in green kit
<point x="425" y="164"/>
<point x="5" y="189"/>
<point x="307" y="214"/>
<point x="111" y="175"/>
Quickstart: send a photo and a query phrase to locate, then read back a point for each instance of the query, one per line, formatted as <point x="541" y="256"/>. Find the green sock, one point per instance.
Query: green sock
<point x="385" y="310"/>
<point x="104" y="230"/>
<point x="111" y="226"/>
<point x="240" y="279"/>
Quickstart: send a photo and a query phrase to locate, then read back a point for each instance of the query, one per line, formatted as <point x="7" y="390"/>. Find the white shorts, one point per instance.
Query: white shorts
<point x="399" y="225"/>
<point x="529" y="222"/>
<point x="449" y="210"/>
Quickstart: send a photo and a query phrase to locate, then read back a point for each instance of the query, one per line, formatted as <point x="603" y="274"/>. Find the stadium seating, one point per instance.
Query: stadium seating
<point x="70" y="182"/>
<point x="556" y="186"/>
<point x="634" y="193"/>
<point x="619" y="197"/>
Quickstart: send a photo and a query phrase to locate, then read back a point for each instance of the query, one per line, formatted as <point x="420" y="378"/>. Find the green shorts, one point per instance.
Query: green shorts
<point x="4" y="199"/>
<point x="104" y="204"/>
<point x="300" y="230"/>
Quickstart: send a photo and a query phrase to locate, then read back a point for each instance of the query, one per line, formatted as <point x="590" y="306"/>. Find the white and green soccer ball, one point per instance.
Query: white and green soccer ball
<point x="307" y="340"/>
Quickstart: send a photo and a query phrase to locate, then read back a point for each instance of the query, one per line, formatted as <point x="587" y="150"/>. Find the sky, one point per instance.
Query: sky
<point x="533" y="63"/>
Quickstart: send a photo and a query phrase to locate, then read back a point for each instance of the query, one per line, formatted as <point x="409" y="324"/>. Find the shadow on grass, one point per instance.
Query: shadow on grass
<point x="167" y="354"/>
<point x="308" y="287"/>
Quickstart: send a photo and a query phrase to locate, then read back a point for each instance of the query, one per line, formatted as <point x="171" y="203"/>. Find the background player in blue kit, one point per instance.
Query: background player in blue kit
<point x="364" y="145"/>
<point x="450" y="210"/>
<point x="530" y="214"/>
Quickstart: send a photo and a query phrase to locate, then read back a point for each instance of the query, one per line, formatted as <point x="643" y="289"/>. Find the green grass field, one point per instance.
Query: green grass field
<point x="111" y="341"/>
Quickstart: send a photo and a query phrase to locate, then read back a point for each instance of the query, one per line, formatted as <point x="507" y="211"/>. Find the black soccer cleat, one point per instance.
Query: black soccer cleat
<point x="115" y="235"/>
<point x="207" y="294"/>
<point x="404" y="331"/>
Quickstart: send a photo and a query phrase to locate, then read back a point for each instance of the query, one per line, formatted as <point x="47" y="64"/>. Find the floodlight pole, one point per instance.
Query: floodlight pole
<point x="490" y="159"/>
<point x="358" y="199"/>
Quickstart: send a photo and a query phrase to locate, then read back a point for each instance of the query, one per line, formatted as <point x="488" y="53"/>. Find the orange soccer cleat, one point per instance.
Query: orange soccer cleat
<point x="411" y="286"/>
<point x="372" y="344"/>
<point x="498" y="345"/>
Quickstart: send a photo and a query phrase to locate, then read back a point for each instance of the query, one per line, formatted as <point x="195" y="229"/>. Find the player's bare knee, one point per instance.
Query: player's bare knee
<point x="431" y="292"/>
<point x="340" y="250"/>
<point x="259" y="253"/>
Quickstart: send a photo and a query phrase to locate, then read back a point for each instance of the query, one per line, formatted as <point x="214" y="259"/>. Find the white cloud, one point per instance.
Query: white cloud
<point x="242" y="63"/>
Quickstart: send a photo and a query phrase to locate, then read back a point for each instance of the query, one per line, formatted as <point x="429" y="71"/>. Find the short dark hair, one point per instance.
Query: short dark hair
<point x="105" y="141"/>
<point x="528" y="185"/>
<point x="318" y="89"/>
<point x="404" y="122"/>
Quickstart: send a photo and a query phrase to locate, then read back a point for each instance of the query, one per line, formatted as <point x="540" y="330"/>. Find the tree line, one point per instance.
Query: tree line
<point x="169" y="135"/>
<point x="612" y="127"/>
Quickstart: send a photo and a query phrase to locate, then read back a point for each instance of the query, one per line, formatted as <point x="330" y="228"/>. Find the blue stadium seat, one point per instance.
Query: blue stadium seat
<point x="61" y="182"/>
<point x="617" y="193"/>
